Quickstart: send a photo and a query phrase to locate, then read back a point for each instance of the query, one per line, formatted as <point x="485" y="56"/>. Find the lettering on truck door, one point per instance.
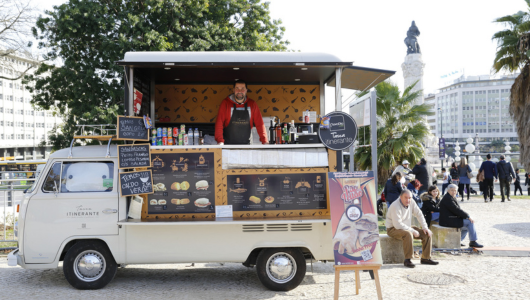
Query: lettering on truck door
<point x="77" y="198"/>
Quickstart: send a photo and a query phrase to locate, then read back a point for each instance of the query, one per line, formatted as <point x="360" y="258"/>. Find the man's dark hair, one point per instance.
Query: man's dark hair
<point x="443" y="169"/>
<point x="488" y="156"/>
<point x="240" y="81"/>
<point x="423" y="161"/>
<point x="517" y="170"/>
<point x="501" y="157"/>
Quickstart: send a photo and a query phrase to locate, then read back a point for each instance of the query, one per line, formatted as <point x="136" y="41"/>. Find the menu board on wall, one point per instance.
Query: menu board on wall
<point x="142" y="85"/>
<point x="183" y="183"/>
<point x="277" y="191"/>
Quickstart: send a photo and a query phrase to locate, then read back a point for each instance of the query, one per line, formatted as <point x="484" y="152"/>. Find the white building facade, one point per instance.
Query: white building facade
<point x="476" y="106"/>
<point x="22" y="126"/>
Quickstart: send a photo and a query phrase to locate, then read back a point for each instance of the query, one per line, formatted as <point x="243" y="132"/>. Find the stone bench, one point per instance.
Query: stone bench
<point x="391" y="250"/>
<point x="445" y="237"/>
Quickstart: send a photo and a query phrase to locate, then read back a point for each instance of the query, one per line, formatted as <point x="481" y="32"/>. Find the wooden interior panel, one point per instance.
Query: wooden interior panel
<point x="200" y="103"/>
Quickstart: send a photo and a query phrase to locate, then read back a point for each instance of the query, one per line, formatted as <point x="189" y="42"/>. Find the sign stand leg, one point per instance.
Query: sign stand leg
<point x="357" y="268"/>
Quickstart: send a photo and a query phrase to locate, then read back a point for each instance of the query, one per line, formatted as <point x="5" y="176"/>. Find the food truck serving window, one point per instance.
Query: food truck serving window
<point x="87" y="177"/>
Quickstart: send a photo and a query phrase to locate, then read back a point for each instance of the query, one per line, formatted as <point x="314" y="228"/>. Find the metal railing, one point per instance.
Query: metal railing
<point x="11" y="195"/>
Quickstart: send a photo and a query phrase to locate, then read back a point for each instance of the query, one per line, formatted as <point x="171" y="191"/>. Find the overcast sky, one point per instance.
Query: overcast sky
<point x="455" y="34"/>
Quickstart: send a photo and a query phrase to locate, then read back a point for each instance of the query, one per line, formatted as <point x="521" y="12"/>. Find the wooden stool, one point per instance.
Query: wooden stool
<point x="357" y="268"/>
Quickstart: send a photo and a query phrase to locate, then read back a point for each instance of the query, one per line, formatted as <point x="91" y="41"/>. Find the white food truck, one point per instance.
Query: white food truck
<point x="74" y="213"/>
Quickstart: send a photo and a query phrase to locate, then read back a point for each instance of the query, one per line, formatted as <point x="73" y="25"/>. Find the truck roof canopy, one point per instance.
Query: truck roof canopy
<point x="254" y="67"/>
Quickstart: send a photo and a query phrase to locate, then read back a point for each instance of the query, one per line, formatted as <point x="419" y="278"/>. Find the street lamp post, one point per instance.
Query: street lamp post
<point x="441" y="134"/>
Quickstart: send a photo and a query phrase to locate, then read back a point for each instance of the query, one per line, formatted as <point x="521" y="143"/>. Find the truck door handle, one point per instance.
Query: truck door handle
<point x="110" y="211"/>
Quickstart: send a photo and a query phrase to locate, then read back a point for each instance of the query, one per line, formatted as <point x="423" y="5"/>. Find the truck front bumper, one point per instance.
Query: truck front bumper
<point x="14" y="259"/>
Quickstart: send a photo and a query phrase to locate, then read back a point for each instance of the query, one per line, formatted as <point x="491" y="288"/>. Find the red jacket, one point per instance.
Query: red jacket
<point x="225" y="113"/>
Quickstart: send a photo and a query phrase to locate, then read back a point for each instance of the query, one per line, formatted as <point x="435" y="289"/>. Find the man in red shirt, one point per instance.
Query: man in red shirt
<point x="237" y="115"/>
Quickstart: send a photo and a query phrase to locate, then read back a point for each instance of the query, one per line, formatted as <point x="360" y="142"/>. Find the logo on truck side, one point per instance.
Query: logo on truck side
<point x="82" y="212"/>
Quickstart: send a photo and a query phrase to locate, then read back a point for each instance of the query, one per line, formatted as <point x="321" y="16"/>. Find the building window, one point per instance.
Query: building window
<point x="19" y="111"/>
<point x="20" y="136"/>
<point x="28" y="136"/>
<point x="30" y="112"/>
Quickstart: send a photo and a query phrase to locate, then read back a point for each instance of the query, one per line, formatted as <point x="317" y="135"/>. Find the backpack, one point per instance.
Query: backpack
<point x="449" y="179"/>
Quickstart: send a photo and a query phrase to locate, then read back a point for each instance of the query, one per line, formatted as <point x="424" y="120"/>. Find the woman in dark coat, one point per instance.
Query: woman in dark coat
<point x="430" y="209"/>
<point x="393" y="188"/>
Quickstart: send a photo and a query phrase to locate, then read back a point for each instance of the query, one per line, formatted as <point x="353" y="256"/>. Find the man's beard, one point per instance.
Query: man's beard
<point x="240" y="96"/>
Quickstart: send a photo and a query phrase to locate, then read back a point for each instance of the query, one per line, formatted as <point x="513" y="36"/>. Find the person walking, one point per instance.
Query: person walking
<point x="527" y="182"/>
<point x="393" y="188"/>
<point x="463" y="171"/>
<point x="454" y="174"/>
<point x="517" y="183"/>
<point x="490" y="171"/>
<point x="423" y="172"/>
<point x="506" y="174"/>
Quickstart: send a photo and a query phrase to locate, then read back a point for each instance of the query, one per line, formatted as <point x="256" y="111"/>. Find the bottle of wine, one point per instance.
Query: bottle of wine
<point x="285" y="134"/>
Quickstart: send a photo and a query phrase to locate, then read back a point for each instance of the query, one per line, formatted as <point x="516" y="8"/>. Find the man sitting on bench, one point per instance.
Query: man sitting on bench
<point x="451" y="215"/>
<point x="398" y="225"/>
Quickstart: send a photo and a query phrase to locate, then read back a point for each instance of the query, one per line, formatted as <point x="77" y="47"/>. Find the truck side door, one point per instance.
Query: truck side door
<point x="77" y="198"/>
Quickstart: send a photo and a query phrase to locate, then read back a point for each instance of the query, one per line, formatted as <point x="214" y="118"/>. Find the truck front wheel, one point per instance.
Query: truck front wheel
<point x="89" y="265"/>
<point x="281" y="269"/>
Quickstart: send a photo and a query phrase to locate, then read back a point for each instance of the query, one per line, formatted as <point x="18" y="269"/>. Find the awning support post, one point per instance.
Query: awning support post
<point x="373" y="127"/>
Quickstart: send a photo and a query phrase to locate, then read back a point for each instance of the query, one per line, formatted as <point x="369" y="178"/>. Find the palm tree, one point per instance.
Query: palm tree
<point x="513" y="52"/>
<point x="401" y="129"/>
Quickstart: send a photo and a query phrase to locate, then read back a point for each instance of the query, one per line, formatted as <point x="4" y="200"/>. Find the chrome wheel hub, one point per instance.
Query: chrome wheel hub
<point x="89" y="266"/>
<point x="281" y="267"/>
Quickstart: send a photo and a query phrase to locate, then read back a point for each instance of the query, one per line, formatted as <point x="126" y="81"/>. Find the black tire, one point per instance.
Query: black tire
<point x="380" y="207"/>
<point x="281" y="269"/>
<point x="101" y="265"/>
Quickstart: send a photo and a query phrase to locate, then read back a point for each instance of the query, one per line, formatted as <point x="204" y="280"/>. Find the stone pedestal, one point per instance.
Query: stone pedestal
<point x="391" y="250"/>
<point x="445" y="237"/>
<point x="412" y="72"/>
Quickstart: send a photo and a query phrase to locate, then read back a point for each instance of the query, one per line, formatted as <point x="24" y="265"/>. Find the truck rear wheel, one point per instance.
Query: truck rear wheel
<point x="281" y="269"/>
<point x="89" y="265"/>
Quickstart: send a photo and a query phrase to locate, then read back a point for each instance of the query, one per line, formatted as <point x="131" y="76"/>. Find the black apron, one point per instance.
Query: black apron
<point x="238" y="130"/>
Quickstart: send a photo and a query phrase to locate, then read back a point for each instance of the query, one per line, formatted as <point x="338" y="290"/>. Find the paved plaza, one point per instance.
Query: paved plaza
<point x="504" y="228"/>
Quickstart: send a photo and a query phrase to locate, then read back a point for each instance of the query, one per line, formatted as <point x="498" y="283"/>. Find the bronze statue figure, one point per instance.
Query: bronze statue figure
<point x="411" y="40"/>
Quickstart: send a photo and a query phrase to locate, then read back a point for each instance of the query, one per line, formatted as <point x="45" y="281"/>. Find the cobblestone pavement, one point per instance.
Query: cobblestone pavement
<point x="477" y="276"/>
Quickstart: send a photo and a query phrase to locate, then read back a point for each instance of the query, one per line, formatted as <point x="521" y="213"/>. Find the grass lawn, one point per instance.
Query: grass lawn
<point x="10" y="236"/>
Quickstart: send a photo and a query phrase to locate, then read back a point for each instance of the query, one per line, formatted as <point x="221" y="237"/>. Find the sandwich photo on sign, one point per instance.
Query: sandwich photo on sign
<point x="354" y="218"/>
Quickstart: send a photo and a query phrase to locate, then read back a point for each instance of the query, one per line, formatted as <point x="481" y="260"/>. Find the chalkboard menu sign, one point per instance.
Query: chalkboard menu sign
<point x="183" y="183"/>
<point x="136" y="183"/>
<point x="342" y="131"/>
<point x="277" y="191"/>
<point x="134" y="156"/>
<point x="132" y="128"/>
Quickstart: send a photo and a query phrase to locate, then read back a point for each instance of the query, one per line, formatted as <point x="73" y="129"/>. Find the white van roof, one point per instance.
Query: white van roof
<point x="98" y="151"/>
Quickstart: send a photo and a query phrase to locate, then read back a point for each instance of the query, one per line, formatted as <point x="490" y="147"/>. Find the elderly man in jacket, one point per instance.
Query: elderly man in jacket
<point x="451" y="215"/>
<point x="506" y="175"/>
<point x="398" y="225"/>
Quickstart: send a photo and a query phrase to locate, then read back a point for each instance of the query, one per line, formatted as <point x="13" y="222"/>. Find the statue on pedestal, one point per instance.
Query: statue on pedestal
<point x="411" y="40"/>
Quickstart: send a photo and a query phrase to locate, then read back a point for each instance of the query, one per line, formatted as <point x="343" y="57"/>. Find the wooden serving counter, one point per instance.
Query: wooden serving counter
<point x="190" y="181"/>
